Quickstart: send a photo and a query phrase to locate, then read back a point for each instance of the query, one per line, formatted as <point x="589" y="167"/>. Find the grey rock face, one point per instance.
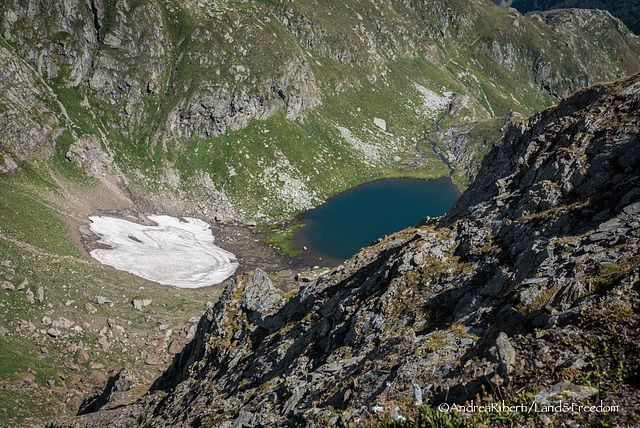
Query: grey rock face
<point x="260" y="297"/>
<point x="86" y="153"/>
<point x="9" y="165"/>
<point x="27" y="122"/>
<point x="58" y="39"/>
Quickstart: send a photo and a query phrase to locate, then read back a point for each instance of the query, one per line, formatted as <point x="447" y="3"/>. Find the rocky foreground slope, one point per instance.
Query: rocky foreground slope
<point x="526" y="291"/>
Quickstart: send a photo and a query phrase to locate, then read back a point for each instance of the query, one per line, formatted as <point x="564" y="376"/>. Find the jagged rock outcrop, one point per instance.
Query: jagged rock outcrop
<point x="28" y="122"/>
<point x="57" y="39"/>
<point x="534" y="262"/>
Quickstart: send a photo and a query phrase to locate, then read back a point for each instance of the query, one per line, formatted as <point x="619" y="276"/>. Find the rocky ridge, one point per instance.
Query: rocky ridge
<point x="526" y="291"/>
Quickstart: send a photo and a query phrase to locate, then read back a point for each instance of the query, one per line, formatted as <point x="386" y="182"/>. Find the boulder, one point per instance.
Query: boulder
<point x="62" y="323"/>
<point x="101" y="300"/>
<point x="141" y="303"/>
<point x="6" y="285"/>
<point x="23" y="284"/>
<point x="54" y="332"/>
<point x="564" y="391"/>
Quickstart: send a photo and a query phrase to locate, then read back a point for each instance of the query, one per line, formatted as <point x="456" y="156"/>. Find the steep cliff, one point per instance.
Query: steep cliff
<point x="261" y="109"/>
<point x="525" y="292"/>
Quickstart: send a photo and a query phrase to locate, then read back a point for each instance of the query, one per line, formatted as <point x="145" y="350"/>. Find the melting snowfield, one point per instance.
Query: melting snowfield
<point x="173" y="252"/>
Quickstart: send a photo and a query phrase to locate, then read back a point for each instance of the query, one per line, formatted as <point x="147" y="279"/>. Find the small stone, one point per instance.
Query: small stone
<point x="96" y="366"/>
<point x="90" y="308"/>
<point x="417" y="394"/>
<point x="380" y="123"/>
<point x="101" y="300"/>
<point x="68" y="303"/>
<point x="46" y="320"/>
<point x="153" y="360"/>
<point x="102" y="340"/>
<point x="60" y="391"/>
<point x="40" y="294"/>
<point x="82" y="356"/>
<point x="418" y="259"/>
<point x="506" y="353"/>
<point x="23" y="284"/>
<point x="111" y="322"/>
<point x="546" y="420"/>
<point x="174" y="347"/>
<point x="3" y="331"/>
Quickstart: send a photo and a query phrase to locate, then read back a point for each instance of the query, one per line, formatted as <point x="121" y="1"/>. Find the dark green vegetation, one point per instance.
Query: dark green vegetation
<point x="282" y="239"/>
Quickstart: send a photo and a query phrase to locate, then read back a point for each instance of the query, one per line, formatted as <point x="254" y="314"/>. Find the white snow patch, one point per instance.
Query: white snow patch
<point x="173" y="252"/>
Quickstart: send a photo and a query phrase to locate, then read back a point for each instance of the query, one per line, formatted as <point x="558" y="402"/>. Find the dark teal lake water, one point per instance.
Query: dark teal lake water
<point x="349" y="221"/>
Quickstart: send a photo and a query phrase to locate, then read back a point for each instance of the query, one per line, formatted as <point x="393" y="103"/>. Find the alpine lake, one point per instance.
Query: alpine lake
<point x="337" y="229"/>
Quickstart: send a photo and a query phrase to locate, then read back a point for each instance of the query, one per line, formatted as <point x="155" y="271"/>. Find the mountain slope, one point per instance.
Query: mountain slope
<point x="259" y="110"/>
<point x="527" y="289"/>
